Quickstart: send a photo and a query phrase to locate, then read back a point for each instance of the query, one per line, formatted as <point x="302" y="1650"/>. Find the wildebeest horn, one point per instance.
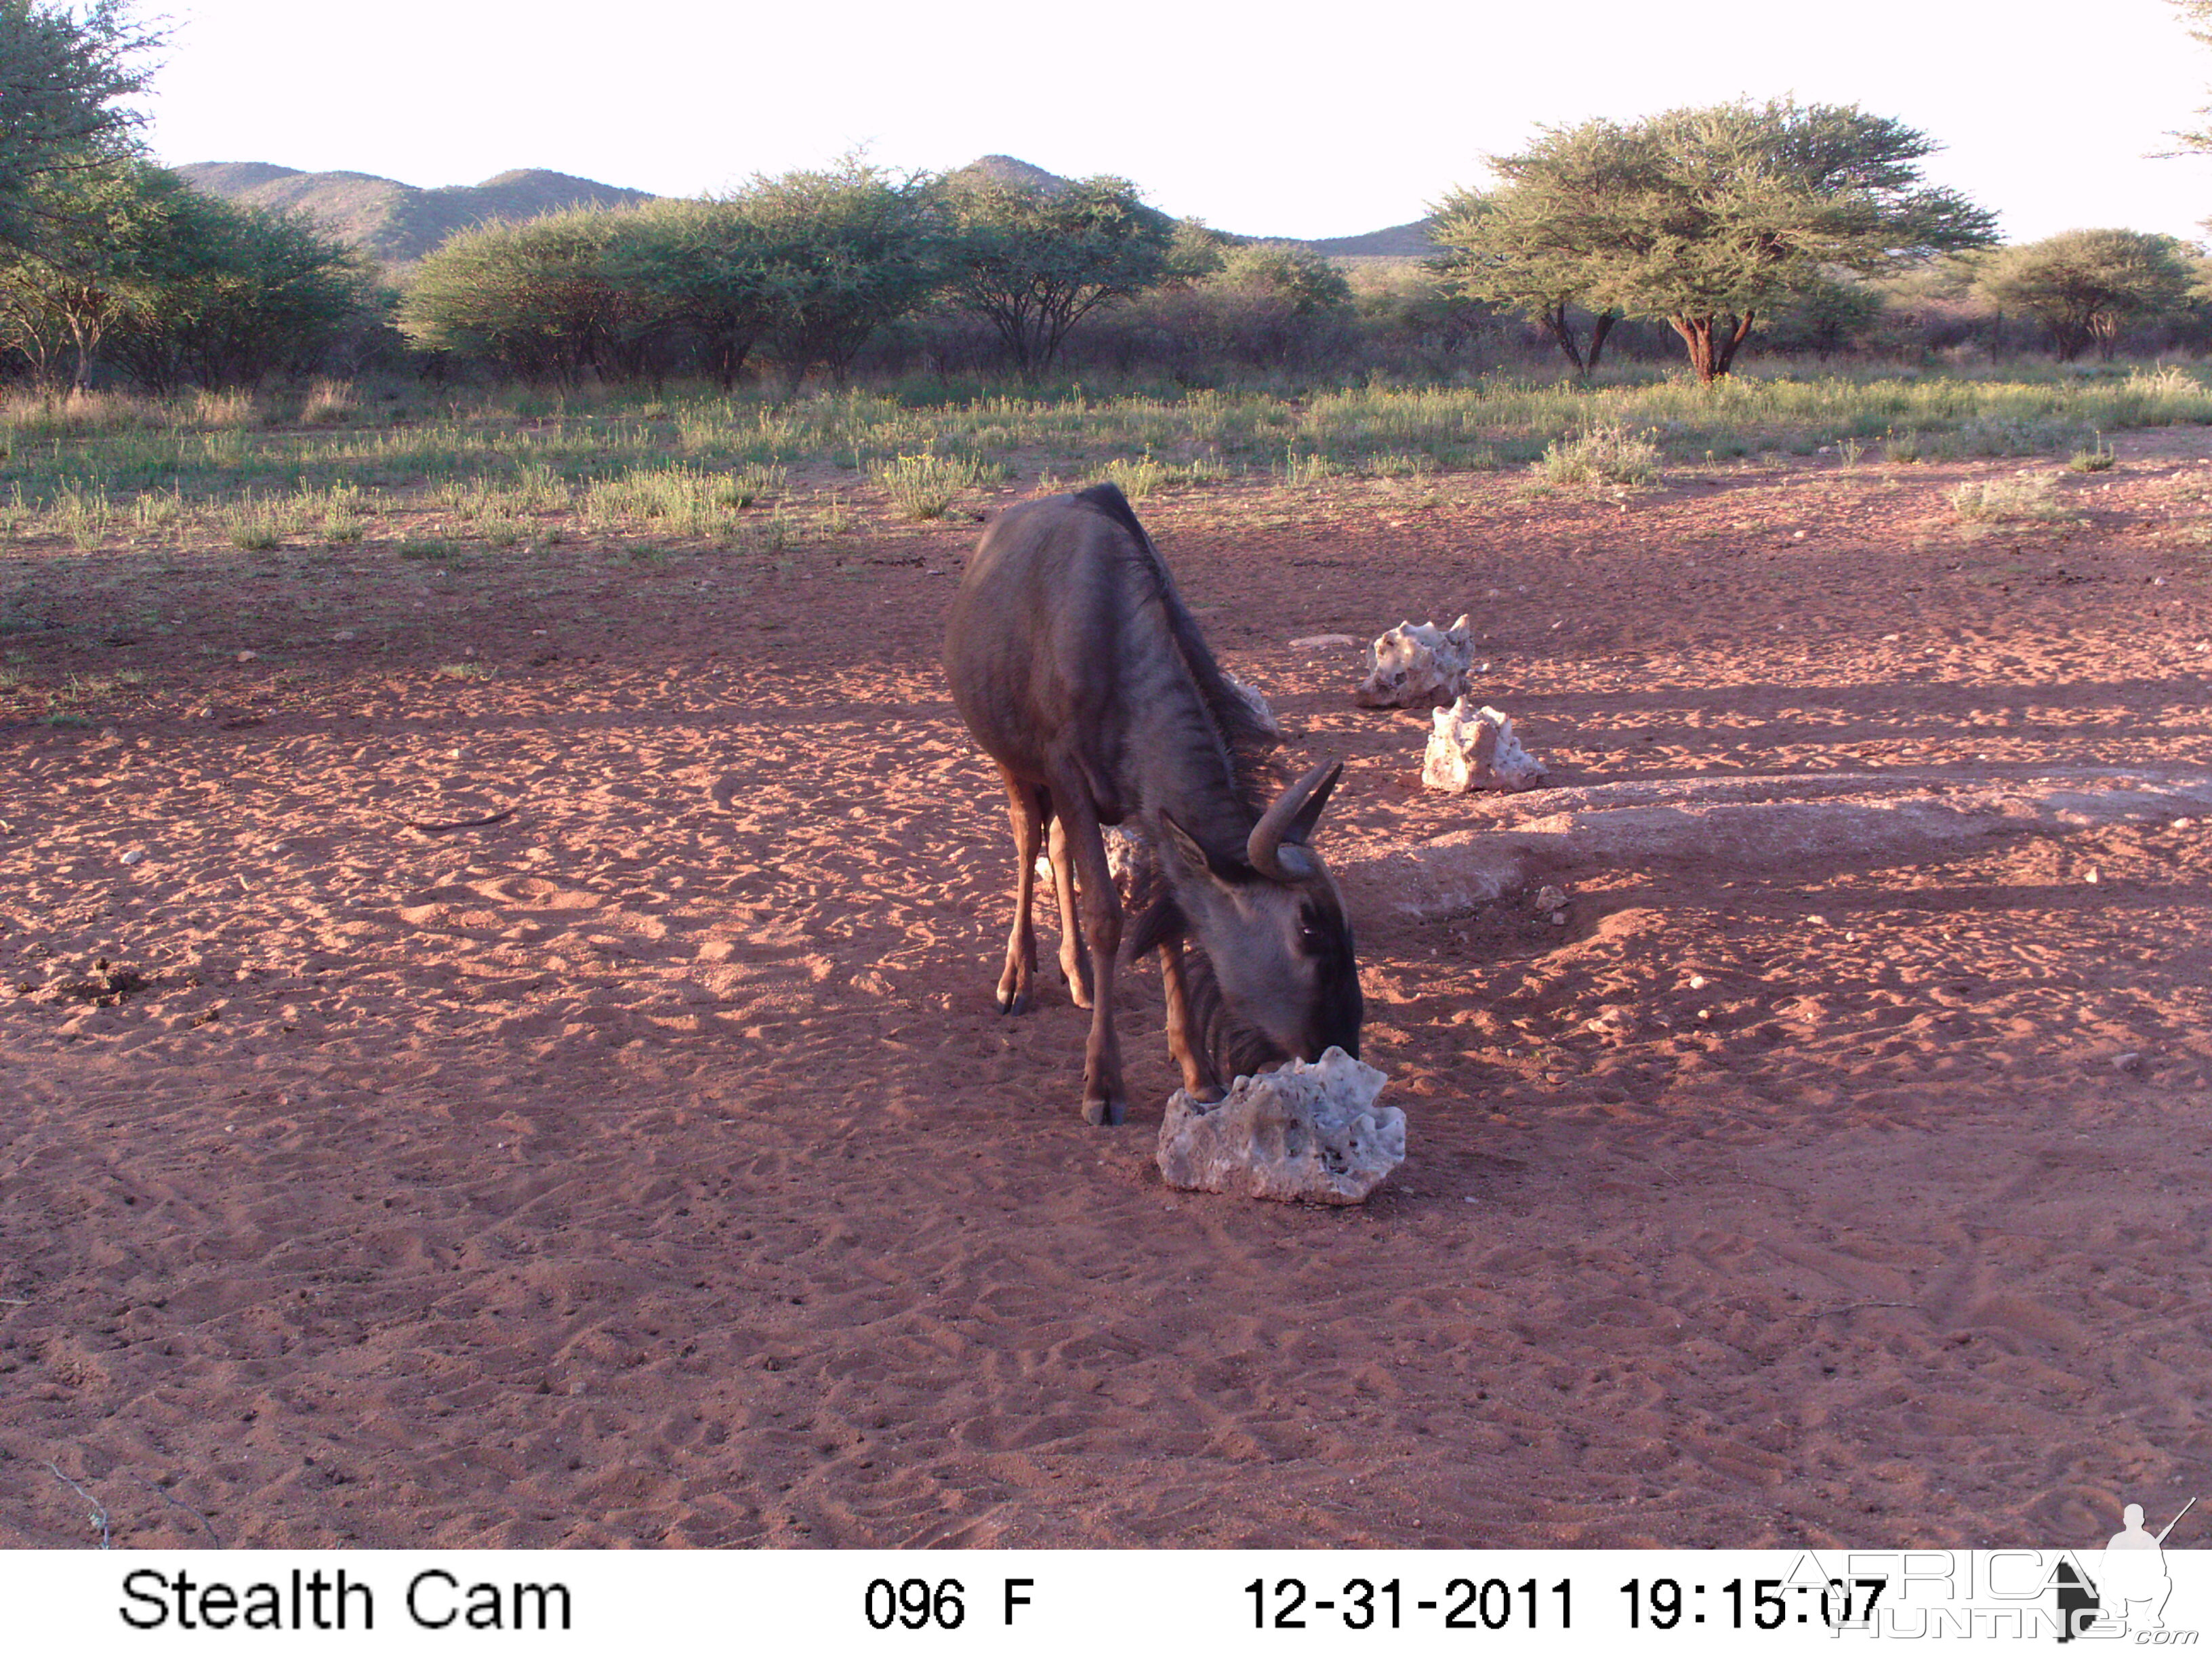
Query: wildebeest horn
<point x="1276" y="847"/>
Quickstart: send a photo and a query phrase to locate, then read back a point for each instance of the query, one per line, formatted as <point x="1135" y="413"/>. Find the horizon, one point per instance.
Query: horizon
<point x="2048" y="139"/>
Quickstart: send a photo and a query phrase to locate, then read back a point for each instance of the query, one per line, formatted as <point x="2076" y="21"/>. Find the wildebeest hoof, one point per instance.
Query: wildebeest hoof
<point x="1105" y="1114"/>
<point x="1013" y="1002"/>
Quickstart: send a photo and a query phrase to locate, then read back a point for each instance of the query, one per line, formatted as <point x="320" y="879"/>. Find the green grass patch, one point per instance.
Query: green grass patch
<point x="2096" y="456"/>
<point x="925" y="485"/>
<point x="90" y="468"/>
<point x="2031" y="496"/>
<point x="1600" y="455"/>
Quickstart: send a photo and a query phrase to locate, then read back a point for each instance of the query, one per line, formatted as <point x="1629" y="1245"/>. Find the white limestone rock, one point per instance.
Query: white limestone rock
<point x="1129" y="857"/>
<point x="1249" y="695"/>
<point x="1304" y="1133"/>
<point x="1417" y="665"/>
<point x="1475" y="748"/>
<point x="1129" y="860"/>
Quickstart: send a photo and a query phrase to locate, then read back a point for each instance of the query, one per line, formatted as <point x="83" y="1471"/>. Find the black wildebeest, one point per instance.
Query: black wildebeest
<point x="1082" y="674"/>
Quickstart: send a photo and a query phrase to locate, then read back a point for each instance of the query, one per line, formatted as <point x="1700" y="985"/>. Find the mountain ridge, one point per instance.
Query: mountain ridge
<point x="398" y="223"/>
<point x="395" y="222"/>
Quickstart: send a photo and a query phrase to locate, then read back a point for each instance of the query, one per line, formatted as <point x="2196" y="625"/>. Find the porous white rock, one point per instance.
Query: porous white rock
<point x="1128" y="856"/>
<point x="1249" y="695"/>
<point x="1129" y="859"/>
<point x="1475" y="748"/>
<point x="1418" y="664"/>
<point x="1302" y="1132"/>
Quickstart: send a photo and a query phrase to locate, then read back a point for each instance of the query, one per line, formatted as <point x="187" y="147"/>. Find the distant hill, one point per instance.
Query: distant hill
<point x="1007" y="170"/>
<point x="1399" y="241"/>
<point x="399" y="223"/>
<point x="395" y="222"/>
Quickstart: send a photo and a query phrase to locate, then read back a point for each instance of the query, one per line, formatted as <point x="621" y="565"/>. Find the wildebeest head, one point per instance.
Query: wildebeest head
<point x="1272" y="926"/>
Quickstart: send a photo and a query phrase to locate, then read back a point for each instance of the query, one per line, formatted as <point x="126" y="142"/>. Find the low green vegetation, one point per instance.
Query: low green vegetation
<point x="2030" y="496"/>
<point x="1601" y="455"/>
<point x="517" y="467"/>
<point x="923" y="486"/>
<point x="2096" y="456"/>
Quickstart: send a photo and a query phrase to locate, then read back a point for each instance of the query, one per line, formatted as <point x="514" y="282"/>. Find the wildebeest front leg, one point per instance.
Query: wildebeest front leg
<point x="1105" y="1101"/>
<point x="1197" y="1069"/>
<point x="1026" y="813"/>
<point x="1074" y="960"/>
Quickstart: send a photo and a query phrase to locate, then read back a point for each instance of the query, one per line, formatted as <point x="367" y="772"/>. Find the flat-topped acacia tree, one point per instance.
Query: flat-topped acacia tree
<point x="1033" y="259"/>
<point x="1527" y="248"/>
<point x="847" y="250"/>
<point x="1705" y="218"/>
<point x="2085" y="286"/>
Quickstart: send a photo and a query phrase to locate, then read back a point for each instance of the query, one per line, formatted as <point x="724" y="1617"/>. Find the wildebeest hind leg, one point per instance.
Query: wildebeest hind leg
<point x="1026" y="812"/>
<point x="1105" y="1101"/>
<point x="1074" y="959"/>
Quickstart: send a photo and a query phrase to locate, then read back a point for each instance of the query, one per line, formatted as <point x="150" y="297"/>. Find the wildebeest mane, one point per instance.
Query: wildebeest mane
<point x="1247" y="741"/>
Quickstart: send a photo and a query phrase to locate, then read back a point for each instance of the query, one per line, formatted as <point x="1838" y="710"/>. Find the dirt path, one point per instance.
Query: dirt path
<point x="649" y="1165"/>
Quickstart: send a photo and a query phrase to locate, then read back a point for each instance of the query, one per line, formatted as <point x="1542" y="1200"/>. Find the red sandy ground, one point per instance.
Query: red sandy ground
<point x="651" y="1166"/>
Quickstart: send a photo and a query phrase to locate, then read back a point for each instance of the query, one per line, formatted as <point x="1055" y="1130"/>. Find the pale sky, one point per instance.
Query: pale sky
<point x="1265" y="119"/>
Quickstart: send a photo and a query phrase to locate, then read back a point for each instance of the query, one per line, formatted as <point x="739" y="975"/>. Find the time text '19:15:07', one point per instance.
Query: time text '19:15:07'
<point x="1769" y="1603"/>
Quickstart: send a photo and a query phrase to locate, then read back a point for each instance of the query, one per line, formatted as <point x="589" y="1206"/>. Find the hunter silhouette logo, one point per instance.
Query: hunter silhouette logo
<point x="2130" y="1585"/>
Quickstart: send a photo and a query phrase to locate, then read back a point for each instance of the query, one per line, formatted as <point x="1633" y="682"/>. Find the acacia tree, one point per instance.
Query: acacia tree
<point x="1526" y="248"/>
<point x="2197" y="17"/>
<point x="1708" y="218"/>
<point x="137" y="270"/>
<point x="109" y="240"/>
<point x="1033" y="259"/>
<point x="246" y="293"/>
<point x="2085" y="286"/>
<point x="540" y="298"/>
<point x="1267" y="304"/>
<point x="706" y="264"/>
<point x="847" y="251"/>
<point x="63" y="72"/>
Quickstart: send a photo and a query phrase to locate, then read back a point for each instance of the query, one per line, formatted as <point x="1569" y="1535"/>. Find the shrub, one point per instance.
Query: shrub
<point x="924" y="486"/>
<point x="2030" y="496"/>
<point x="688" y="500"/>
<point x="1602" y="454"/>
<point x="849" y="251"/>
<point x="1135" y="479"/>
<point x="2096" y="456"/>
<point x="329" y="403"/>
<point x="541" y="299"/>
